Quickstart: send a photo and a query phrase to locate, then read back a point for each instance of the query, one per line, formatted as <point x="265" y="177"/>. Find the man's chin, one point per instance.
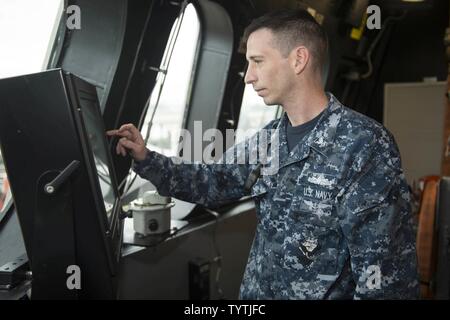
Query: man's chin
<point x="270" y="102"/>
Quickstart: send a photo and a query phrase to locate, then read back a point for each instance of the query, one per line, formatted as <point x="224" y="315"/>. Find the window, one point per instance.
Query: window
<point x="4" y="187"/>
<point x="27" y="32"/>
<point x="170" y="97"/>
<point x="254" y="115"/>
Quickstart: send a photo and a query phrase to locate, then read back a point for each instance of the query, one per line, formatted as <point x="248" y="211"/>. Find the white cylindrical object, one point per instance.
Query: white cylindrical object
<point x="151" y="213"/>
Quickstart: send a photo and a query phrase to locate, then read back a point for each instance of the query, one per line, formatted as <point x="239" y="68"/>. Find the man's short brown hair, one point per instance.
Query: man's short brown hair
<point x="292" y="28"/>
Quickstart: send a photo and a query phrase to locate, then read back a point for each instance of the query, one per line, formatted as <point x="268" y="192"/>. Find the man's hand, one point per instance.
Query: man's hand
<point x="130" y="141"/>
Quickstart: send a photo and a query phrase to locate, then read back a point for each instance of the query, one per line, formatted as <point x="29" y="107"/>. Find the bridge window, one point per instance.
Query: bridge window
<point x="27" y="32"/>
<point x="170" y="96"/>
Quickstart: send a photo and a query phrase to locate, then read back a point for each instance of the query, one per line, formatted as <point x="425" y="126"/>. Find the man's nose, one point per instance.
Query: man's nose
<point x="249" y="77"/>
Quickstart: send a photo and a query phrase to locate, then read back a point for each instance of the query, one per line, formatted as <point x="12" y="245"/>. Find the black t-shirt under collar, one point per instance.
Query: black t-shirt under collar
<point x="297" y="133"/>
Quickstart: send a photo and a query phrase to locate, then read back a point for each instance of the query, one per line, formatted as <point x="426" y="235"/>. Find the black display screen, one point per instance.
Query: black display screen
<point x="93" y="123"/>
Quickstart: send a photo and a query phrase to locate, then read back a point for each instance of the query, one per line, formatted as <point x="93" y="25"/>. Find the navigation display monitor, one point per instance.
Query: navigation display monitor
<point x="93" y="123"/>
<point x="99" y="151"/>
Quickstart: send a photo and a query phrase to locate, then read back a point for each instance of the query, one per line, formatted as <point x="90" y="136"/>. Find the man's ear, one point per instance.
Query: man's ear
<point x="300" y="58"/>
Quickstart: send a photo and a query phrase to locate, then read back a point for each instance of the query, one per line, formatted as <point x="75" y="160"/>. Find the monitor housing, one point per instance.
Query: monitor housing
<point x="48" y="122"/>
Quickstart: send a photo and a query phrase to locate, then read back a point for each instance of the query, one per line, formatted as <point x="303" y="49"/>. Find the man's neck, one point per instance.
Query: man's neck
<point x="305" y="106"/>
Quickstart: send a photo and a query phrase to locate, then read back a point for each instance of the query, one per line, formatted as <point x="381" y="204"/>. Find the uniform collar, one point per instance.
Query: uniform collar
<point x="320" y="138"/>
<point x="323" y="135"/>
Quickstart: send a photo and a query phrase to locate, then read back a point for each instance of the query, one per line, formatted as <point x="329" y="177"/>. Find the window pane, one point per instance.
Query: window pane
<point x="254" y="115"/>
<point x="27" y="32"/>
<point x="170" y="111"/>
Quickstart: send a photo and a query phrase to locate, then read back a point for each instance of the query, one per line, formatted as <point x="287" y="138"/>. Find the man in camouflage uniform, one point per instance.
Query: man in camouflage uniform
<point x="334" y="220"/>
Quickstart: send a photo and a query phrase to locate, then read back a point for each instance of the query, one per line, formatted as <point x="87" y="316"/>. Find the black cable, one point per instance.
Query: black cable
<point x="375" y="42"/>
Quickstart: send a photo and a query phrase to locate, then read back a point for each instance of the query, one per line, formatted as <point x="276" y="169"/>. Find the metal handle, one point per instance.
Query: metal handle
<point x="54" y="185"/>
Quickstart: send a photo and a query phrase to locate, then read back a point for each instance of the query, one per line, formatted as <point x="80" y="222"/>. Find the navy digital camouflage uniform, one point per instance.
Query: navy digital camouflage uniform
<point x="334" y="222"/>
